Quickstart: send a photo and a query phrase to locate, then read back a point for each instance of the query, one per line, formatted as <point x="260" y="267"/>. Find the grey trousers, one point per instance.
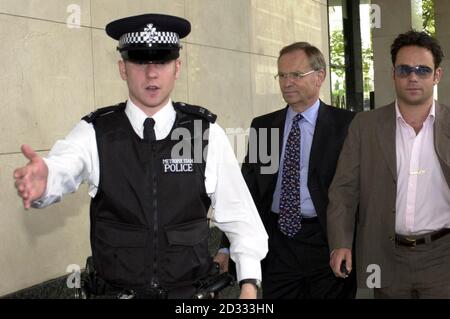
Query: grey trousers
<point x="420" y="272"/>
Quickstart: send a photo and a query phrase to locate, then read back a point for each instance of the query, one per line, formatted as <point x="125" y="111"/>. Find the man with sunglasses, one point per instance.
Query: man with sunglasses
<point x="303" y="141"/>
<point x="395" y="164"/>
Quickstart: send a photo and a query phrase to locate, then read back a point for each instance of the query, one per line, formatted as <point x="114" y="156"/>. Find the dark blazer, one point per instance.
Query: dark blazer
<point x="329" y="135"/>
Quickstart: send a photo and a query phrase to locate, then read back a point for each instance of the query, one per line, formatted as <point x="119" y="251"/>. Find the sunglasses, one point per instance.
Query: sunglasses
<point x="422" y="71"/>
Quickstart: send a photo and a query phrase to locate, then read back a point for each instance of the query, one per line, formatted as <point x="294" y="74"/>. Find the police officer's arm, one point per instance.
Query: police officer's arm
<point x="248" y="291"/>
<point x="248" y="172"/>
<point x="70" y="162"/>
<point x="31" y="179"/>
<point x="234" y="211"/>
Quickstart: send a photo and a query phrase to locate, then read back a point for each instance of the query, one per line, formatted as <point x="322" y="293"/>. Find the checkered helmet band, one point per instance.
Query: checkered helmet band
<point x="149" y="37"/>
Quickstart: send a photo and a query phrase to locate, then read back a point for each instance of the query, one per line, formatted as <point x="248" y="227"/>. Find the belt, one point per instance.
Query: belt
<point x="206" y="287"/>
<point x="310" y="220"/>
<point x="412" y="242"/>
<point x="305" y="220"/>
<point x="94" y="286"/>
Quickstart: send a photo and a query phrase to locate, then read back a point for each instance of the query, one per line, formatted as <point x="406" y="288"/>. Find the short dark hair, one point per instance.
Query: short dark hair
<point x="315" y="57"/>
<point x="420" y="39"/>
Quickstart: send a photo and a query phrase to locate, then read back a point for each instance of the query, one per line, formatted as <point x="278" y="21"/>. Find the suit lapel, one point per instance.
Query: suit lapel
<point x="279" y="124"/>
<point x="320" y="139"/>
<point x="276" y="123"/>
<point x="442" y="138"/>
<point x="386" y="137"/>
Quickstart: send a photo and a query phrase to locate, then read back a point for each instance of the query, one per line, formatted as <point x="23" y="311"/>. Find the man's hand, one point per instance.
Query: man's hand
<point x="223" y="260"/>
<point x="248" y="291"/>
<point x="31" y="180"/>
<point x="336" y="258"/>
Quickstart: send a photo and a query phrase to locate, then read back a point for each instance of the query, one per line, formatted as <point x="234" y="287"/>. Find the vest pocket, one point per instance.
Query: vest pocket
<point x="187" y="256"/>
<point x="120" y="250"/>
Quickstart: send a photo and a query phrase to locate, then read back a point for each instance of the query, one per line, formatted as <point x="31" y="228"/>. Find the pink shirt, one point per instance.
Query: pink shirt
<point x="423" y="197"/>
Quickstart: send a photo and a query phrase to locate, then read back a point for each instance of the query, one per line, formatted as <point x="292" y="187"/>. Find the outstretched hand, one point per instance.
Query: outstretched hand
<point x="31" y="179"/>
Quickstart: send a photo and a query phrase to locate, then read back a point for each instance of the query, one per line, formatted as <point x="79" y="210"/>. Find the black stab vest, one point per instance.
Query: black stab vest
<point x="149" y="222"/>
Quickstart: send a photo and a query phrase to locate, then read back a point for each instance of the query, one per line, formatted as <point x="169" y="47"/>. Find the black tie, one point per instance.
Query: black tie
<point x="149" y="132"/>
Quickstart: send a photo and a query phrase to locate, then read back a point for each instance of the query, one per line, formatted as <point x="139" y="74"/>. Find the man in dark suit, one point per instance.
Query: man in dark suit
<point x="303" y="142"/>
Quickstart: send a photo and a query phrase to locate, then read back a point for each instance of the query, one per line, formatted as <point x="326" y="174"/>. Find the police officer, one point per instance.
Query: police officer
<point x="151" y="180"/>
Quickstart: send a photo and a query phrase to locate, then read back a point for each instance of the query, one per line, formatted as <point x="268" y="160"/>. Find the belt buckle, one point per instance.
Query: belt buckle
<point x="411" y="242"/>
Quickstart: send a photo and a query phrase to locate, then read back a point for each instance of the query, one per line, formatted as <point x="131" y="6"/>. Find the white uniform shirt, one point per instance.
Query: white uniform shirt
<point x="74" y="160"/>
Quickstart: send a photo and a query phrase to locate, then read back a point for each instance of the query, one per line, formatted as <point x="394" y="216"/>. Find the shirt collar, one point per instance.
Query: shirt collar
<point x="164" y="119"/>
<point x="310" y="114"/>
<point x="431" y="115"/>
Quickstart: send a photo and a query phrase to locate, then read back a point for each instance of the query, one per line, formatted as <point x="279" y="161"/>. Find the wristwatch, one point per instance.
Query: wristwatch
<point x="254" y="282"/>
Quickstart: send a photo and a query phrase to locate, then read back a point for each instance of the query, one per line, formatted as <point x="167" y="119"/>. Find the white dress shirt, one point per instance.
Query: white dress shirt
<point x="423" y="197"/>
<point x="74" y="160"/>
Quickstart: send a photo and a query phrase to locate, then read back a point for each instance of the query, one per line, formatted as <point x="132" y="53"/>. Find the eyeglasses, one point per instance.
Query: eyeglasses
<point x="292" y="75"/>
<point x="422" y="71"/>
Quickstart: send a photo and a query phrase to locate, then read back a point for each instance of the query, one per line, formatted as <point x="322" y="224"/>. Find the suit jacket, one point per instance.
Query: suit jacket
<point x="367" y="175"/>
<point x="329" y="135"/>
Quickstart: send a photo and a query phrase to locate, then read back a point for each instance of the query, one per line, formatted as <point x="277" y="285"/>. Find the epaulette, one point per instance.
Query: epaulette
<point x="103" y="111"/>
<point x="195" y="110"/>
